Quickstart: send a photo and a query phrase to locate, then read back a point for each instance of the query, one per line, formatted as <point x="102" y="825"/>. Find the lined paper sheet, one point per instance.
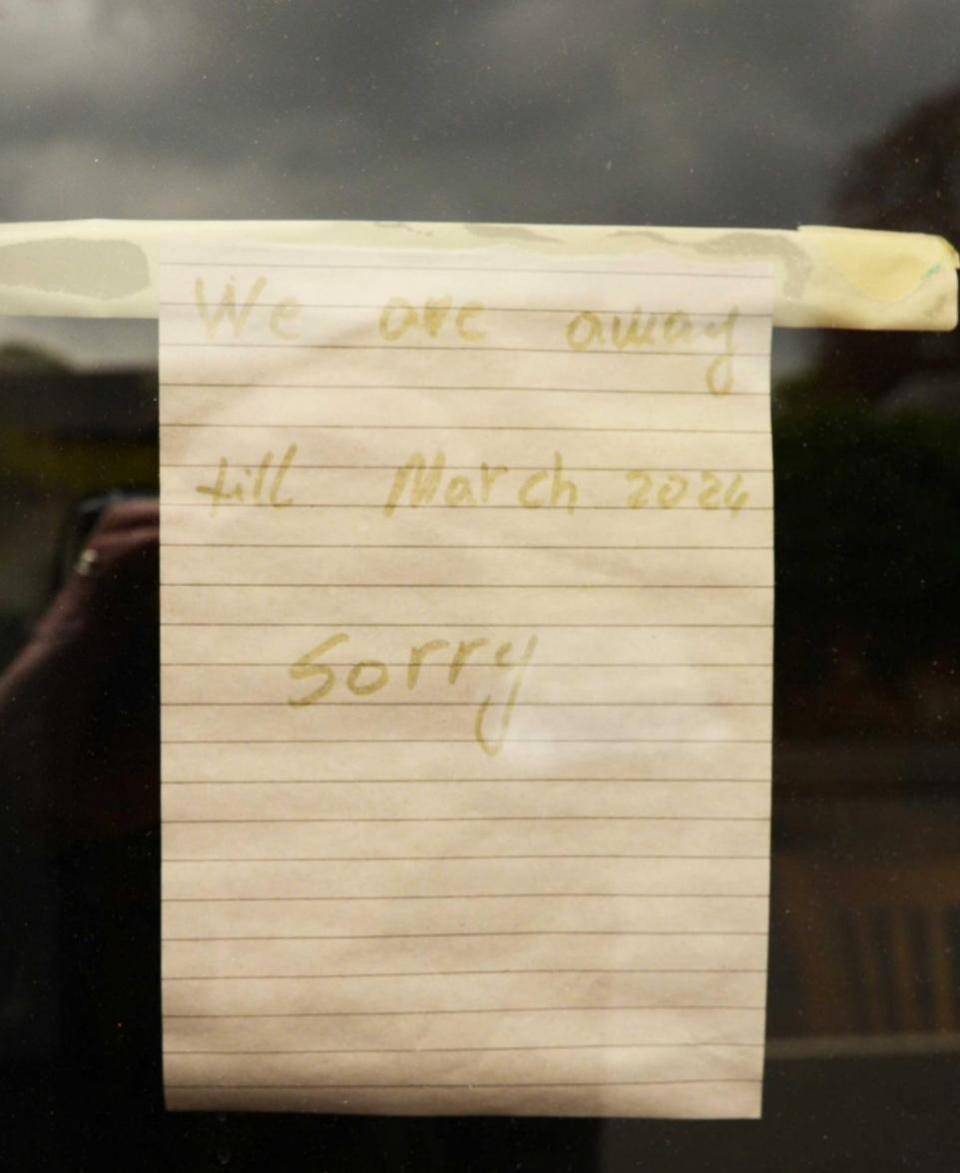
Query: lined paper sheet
<point x="467" y="604"/>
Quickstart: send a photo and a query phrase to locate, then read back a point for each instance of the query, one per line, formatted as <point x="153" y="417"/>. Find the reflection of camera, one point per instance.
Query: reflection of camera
<point x="81" y="524"/>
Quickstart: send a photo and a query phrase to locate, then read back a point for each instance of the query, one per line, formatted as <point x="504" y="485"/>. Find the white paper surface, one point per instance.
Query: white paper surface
<point x="467" y="604"/>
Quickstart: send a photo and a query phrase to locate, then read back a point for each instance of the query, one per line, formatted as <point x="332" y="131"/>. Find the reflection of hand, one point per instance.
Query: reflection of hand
<point x="78" y="708"/>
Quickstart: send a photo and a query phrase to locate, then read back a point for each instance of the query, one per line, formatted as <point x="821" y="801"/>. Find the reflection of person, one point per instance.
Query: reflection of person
<point x="77" y="722"/>
<point x="79" y="743"/>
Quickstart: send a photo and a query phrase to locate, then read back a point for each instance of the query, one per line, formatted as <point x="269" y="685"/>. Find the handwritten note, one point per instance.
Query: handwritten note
<point x="467" y="607"/>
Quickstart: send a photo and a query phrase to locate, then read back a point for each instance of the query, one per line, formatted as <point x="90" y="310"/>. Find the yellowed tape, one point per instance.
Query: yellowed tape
<point x="827" y="277"/>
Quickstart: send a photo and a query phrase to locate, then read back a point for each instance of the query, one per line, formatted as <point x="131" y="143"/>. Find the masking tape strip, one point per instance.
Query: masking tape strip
<point x="827" y="277"/>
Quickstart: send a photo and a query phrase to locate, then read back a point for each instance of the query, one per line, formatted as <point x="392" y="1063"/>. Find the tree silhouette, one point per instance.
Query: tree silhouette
<point x="907" y="180"/>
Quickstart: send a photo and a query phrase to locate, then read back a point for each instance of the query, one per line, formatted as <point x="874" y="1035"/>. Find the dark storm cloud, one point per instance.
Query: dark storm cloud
<point x="669" y="111"/>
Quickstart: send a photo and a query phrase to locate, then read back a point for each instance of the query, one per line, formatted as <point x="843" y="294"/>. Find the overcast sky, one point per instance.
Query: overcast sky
<point x="708" y="112"/>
